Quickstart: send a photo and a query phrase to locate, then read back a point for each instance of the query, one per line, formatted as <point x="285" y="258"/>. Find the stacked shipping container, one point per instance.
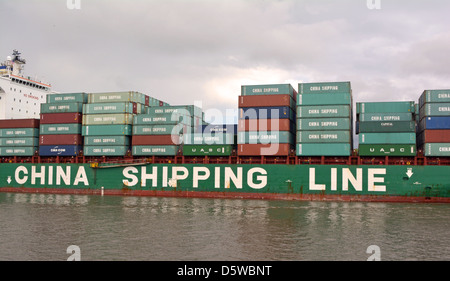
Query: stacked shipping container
<point x="60" y="125"/>
<point x="107" y="122"/>
<point x="211" y="140"/>
<point x="386" y="128"/>
<point x="19" y="137"/>
<point x="266" y="120"/>
<point x="160" y="131"/>
<point x="324" y="119"/>
<point x="434" y="124"/>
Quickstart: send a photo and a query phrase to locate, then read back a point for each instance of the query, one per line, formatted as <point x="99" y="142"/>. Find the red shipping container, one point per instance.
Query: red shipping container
<point x="61" y="118"/>
<point x="266" y="100"/>
<point x="265" y="125"/>
<point x="147" y="100"/>
<point x="19" y="123"/>
<point x="274" y="149"/>
<point x="60" y="140"/>
<point x="436" y="136"/>
<point x="155" y="140"/>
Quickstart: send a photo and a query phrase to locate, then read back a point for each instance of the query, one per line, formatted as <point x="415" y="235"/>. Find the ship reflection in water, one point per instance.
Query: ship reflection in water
<point x="43" y="226"/>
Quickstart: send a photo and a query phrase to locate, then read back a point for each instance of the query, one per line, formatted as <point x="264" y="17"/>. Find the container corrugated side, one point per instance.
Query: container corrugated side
<point x="108" y="119"/>
<point x="116" y="97"/>
<point x="150" y="150"/>
<point x="266" y="125"/>
<point x="110" y="150"/>
<point x="60" y="150"/>
<point x="213" y="129"/>
<point x="67" y="97"/>
<point x="324" y="87"/>
<point x="75" y="139"/>
<point x="264" y="137"/>
<point x="161" y="129"/>
<point x="434" y="136"/>
<point x="276" y="112"/>
<point x="207" y="150"/>
<point x="163" y="119"/>
<point x="385" y="107"/>
<point x="61" y="118"/>
<point x="268" y="89"/>
<point x="60" y="129"/>
<point x="266" y="101"/>
<point x="19" y="132"/>
<point x="325" y="99"/>
<point x="434" y="96"/>
<point x="436" y="149"/>
<point x="107" y="140"/>
<point x="12" y="142"/>
<point x="435" y="109"/>
<point x="387" y="126"/>
<point x="387" y="150"/>
<point x="401" y="116"/>
<point x="323" y="149"/>
<point x="61" y="107"/>
<point x="387" y="138"/>
<point x="110" y="130"/>
<point x="318" y="124"/>
<point x="113" y="107"/>
<point x="272" y="149"/>
<point x="217" y="138"/>
<point x="435" y="123"/>
<point x="18" y="151"/>
<point x="19" y="123"/>
<point x="324" y="137"/>
<point x="323" y="111"/>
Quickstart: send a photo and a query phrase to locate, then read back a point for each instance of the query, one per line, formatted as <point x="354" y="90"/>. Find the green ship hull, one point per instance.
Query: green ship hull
<point x="381" y="183"/>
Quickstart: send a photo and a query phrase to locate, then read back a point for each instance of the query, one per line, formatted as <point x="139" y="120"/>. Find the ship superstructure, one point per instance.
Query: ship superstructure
<point x="20" y="95"/>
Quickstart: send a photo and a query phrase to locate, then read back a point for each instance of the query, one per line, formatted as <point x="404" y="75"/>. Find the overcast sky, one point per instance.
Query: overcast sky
<point x="189" y="51"/>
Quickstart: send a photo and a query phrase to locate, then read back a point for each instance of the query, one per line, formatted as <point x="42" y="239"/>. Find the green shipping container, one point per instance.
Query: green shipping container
<point x="61" y="107"/>
<point x="18" y="151"/>
<point x="150" y="150"/>
<point x="323" y="149"/>
<point x="387" y="138"/>
<point x="321" y="124"/>
<point x="323" y="111"/>
<point x="432" y="96"/>
<point x="60" y="129"/>
<point x="108" y="119"/>
<point x="387" y="150"/>
<point x="116" y="97"/>
<point x="161" y="129"/>
<point x="270" y="89"/>
<point x="30" y="141"/>
<point x="207" y="150"/>
<point x="107" y="140"/>
<point x="325" y="99"/>
<point x="385" y="107"/>
<point x="324" y="87"/>
<point x="387" y="126"/>
<point x="255" y="137"/>
<point x="163" y="119"/>
<point x="215" y="138"/>
<point x="106" y="130"/>
<point x="105" y="150"/>
<point x="67" y="97"/>
<point x="19" y="132"/>
<point x="191" y="110"/>
<point x="324" y="137"/>
<point x="112" y="107"/>
<point x="402" y="116"/>
<point x="435" y="109"/>
<point x="437" y="149"/>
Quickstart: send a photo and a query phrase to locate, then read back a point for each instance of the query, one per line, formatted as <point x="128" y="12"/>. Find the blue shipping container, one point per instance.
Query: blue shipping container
<point x="212" y="129"/>
<point x="275" y="112"/>
<point x="435" y="122"/>
<point x="60" y="150"/>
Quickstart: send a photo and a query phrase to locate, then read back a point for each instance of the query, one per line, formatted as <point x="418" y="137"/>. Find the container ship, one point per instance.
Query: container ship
<point x="309" y="143"/>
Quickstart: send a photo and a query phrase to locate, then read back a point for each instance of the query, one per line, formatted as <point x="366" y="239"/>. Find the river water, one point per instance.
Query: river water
<point x="109" y="228"/>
